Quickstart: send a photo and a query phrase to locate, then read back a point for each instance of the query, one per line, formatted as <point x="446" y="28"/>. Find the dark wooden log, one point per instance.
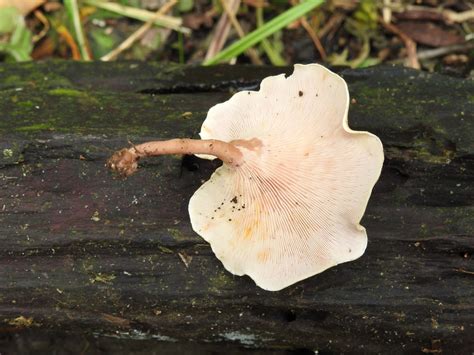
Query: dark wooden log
<point x="90" y="262"/>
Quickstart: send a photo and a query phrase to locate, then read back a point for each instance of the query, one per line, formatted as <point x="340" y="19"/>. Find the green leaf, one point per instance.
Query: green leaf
<point x="21" y="41"/>
<point x="19" y="45"/>
<point x="9" y="19"/>
<point x="369" y="62"/>
<point x="273" y="54"/>
<point x="185" y="5"/>
<point x="102" y="42"/>
<point x="263" y="32"/>
<point x="366" y="13"/>
<point x="72" y="10"/>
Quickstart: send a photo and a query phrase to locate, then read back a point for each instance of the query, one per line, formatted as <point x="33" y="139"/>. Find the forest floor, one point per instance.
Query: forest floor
<point x="433" y="35"/>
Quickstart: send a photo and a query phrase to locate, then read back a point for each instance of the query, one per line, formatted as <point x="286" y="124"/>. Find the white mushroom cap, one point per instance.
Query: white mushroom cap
<point x="293" y="208"/>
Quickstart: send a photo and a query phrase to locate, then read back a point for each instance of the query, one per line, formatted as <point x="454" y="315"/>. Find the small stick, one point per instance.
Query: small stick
<point x="387" y="11"/>
<point x="410" y="44"/>
<point x="42" y="18"/>
<point x="66" y="35"/>
<point x="333" y="23"/>
<point x="135" y="36"/>
<point x="437" y="52"/>
<point x="465" y="271"/>
<point x="314" y="38"/>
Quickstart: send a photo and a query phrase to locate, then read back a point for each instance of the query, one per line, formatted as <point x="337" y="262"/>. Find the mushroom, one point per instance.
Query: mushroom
<point x="295" y="181"/>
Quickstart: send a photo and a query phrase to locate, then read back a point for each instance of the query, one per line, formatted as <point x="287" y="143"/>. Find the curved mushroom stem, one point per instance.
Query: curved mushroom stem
<point x="125" y="161"/>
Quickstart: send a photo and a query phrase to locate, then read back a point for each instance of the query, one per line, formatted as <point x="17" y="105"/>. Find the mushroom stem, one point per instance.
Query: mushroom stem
<point x="227" y="152"/>
<point x="125" y="161"/>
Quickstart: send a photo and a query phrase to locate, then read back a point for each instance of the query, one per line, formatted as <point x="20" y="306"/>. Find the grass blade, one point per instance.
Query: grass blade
<point x="272" y="54"/>
<point x="73" y="12"/>
<point x="263" y="32"/>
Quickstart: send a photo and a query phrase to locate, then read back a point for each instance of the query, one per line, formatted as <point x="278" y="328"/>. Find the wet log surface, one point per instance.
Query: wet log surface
<point x="90" y="262"/>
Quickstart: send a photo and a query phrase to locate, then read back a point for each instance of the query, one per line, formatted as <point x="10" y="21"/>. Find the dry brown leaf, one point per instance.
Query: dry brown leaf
<point x="196" y="20"/>
<point x="24" y="6"/>
<point x="256" y="3"/>
<point x="344" y="4"/>
<point x="420" y="15"/>
<point x="429" y="34"/>
<point x="44" y="49"/>
<point x="410" y="45"/>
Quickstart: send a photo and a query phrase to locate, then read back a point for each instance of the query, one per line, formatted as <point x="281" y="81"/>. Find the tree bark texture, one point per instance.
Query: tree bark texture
<point x="92" y="262"/>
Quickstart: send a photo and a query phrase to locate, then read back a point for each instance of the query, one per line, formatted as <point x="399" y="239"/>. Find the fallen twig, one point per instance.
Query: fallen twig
<point x="333" y="23"/>
<point x="138" y="33"/>
<point x="464" y="271"/>
<point x="438" y="52"/>
<point x="387" y="11"/>
<point x="66" y="35"/>
<point x="314" y="38"/>
<point x="41" y="18"/>
<point x="410" y="45"/>
<point x="171" y="22"/>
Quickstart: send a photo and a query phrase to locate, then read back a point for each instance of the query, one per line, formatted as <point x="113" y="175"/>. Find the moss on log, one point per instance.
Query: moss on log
<point x="91" y="262"/>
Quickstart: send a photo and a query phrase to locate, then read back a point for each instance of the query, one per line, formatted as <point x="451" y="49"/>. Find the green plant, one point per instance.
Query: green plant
<point x="15" y="38"/>
<point x="273" y="54"/>
<point x="73" y="13"/>
<point x="264" y="31"/>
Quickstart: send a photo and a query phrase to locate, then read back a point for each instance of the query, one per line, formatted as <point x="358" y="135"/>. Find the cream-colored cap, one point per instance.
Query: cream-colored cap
<point x="293" y="208"/>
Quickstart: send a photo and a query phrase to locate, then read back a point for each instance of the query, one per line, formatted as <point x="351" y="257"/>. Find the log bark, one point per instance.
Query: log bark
<point x="91" y="262"/>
